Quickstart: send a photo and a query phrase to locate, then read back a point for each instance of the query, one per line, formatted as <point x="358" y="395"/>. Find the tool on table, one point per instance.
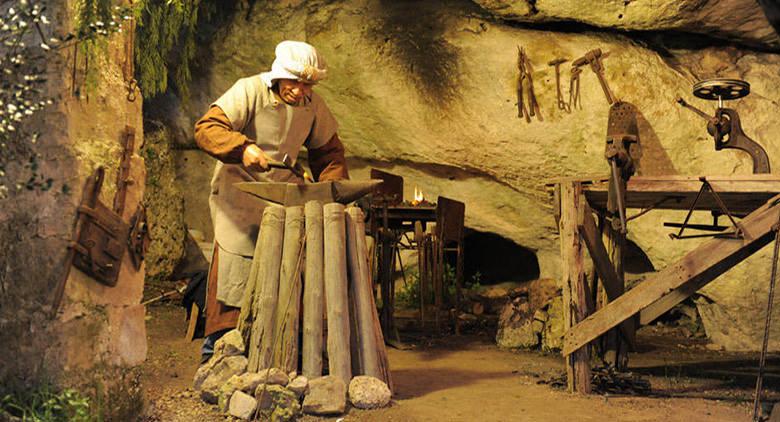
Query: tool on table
<point x="725" y="126"/>
<point x="295" y="167"/>
<point x="562" y="105"/>
<point x="526" y="74"/>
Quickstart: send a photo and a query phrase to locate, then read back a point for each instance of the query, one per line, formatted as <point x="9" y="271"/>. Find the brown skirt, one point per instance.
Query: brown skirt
<point x="218" y="315"/>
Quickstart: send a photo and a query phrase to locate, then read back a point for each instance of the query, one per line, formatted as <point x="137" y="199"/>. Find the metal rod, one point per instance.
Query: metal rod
<point x="764" y="346"/>
<point x="619" y="196"/>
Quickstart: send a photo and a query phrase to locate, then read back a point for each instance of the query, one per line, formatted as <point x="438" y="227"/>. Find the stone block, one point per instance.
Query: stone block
<point x="367" y="392"/>
<point x="327" y="396"/>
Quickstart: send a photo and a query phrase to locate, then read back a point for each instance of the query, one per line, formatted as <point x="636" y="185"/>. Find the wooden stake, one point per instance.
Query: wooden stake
<point x="360" y="289"/>
<point x="268" y="254"/>
<point x="339" y="362"/>
<point x="313" y="300"/>
<point x="574" y="300"/>
<point x="289" y="306"/>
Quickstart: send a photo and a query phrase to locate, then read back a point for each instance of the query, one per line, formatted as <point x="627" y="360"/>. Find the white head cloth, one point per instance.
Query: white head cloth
<point x="296" y="60"/>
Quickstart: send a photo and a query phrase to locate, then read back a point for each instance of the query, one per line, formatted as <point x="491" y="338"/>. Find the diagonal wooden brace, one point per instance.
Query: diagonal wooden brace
<point x="613" y="286"/>
<point x="680" y="280"/>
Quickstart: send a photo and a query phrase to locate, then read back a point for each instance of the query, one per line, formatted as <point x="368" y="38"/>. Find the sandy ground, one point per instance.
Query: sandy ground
<point x="469" y="379"/>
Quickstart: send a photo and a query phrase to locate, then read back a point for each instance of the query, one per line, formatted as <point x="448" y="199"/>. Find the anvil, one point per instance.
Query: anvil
<point x="292" y="194"/>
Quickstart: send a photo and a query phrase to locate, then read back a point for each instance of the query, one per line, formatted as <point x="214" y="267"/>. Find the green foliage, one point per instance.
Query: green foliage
<point x="48" y="405"/>
<point x="96" y="21"/>
<point x="166" y="44"/>
<point x="409" y="294"/>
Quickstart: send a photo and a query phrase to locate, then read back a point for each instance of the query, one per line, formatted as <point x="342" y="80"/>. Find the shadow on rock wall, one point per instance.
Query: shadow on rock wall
<point x="418" y="44"/>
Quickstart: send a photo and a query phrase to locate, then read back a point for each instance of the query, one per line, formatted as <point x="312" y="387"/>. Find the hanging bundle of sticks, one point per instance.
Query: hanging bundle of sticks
<point x="313" y="261"/>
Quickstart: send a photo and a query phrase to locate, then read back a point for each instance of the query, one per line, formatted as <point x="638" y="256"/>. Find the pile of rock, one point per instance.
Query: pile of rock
<point x="274" y="394"/>
<point x="532" y="318"/>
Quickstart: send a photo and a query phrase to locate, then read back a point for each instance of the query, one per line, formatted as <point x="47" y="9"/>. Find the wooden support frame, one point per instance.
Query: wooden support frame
<point x="574" y="286"/>
<point x="613" y="284"/>
<point x="755" y="196"/>
<point x="663" y="290"/>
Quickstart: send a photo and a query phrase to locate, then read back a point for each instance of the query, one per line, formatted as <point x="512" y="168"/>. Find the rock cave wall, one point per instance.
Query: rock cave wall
<point x="98" y="340"/>
<point x="427" y="90"/>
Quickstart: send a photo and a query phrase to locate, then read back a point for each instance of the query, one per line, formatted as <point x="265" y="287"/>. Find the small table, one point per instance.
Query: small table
<point x="388" y="225"/>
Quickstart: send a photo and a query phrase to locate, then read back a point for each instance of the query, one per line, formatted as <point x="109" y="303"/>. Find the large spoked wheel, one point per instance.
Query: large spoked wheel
<point x="721" y="89"/>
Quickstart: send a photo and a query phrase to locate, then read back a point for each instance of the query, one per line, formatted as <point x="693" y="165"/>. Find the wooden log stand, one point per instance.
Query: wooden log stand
<point x="755" y="196"/>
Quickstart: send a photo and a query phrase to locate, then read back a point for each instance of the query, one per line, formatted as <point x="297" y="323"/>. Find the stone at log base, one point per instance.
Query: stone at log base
<point x="219" y="375"/>
<point x="242" y="405"/>
<point x="327" y="396"/>
<point x="230" y="344"/>
<point x="367" y="392"/>
<point x="299" y="385"/>
<point x="276" y="403"/>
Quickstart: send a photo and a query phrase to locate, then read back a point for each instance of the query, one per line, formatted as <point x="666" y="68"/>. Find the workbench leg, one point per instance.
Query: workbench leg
<point x="386" y="281"/>
<point x="574" y="285"/>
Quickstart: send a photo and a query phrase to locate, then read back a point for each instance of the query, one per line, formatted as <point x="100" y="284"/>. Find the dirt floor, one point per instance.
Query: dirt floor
<point x="468" y="378"/>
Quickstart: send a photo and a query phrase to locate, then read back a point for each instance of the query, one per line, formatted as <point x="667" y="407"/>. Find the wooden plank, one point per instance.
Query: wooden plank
<point x="313" y="300"/>
<point x="266" y="290"/>
<point x="697" y="268"/>
<point x="574" y="298"/>
<point x="289" y="306"/>
<point x="613" y="285"/>
<point x="339" y="360"/>
<point x="742" y="193"/>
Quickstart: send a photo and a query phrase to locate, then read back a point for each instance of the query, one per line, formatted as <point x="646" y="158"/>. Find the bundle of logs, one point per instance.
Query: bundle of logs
<point x="328" y="245"/>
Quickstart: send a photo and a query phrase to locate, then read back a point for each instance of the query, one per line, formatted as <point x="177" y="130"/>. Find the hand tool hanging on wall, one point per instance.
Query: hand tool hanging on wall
<point x="138" y="238"/>
<point x="99" y="238"/>
<point x="526" y="74"/>
<point x="562" y="105"/>
<point x="725" y="126"/>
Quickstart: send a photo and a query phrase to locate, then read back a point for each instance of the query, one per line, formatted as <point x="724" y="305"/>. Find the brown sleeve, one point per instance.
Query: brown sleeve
<point x="327" y="162"/>
<point x="215" y="135"/>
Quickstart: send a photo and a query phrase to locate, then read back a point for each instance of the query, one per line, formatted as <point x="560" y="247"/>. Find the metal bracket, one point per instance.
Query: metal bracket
<point x="735" y="233"/>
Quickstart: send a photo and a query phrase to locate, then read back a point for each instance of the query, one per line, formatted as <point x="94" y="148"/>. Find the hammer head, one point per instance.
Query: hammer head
<point x="557" y="62"/>
<point x="294" y="167"/>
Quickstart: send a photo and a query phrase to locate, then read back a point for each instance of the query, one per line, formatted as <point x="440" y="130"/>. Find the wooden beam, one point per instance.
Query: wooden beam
<point x="613" y="285"/>
<point x="336" y="300"/>
<point x="313" y="300"/>
<point x="288" y="309"/>
<point x="575" y="303"/>
<point x="695" y="269"/>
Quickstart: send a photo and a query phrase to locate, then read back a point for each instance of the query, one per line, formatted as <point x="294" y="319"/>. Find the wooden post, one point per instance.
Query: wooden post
<point x="339" y="362"/>
<point x="360" y="289"/>
<point x="289" y="306"/>
<point x="313" y="300"/>
<point x="268" y="254"/>
<point x="574" y="289"/>
<point x="422" y="269"/>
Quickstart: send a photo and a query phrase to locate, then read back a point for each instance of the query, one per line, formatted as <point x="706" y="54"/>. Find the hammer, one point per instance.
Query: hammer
<point x="557" y="63"/>
<point x="288" y="164"/>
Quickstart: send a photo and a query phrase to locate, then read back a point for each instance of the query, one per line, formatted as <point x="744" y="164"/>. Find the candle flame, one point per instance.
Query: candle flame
<point x="418" y="196"/>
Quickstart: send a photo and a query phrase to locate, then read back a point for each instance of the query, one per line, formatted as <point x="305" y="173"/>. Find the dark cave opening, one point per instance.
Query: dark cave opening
<point x="497" y="259"/>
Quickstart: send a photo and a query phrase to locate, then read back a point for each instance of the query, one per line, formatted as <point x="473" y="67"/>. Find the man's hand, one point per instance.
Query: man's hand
<point x="255" y="159"/>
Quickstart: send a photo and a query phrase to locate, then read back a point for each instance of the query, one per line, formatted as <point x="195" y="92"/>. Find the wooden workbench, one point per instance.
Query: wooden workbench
<point x="576" y="199"/>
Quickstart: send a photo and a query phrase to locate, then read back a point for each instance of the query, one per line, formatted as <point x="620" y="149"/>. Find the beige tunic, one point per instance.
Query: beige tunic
<point x="278" y="129"/>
